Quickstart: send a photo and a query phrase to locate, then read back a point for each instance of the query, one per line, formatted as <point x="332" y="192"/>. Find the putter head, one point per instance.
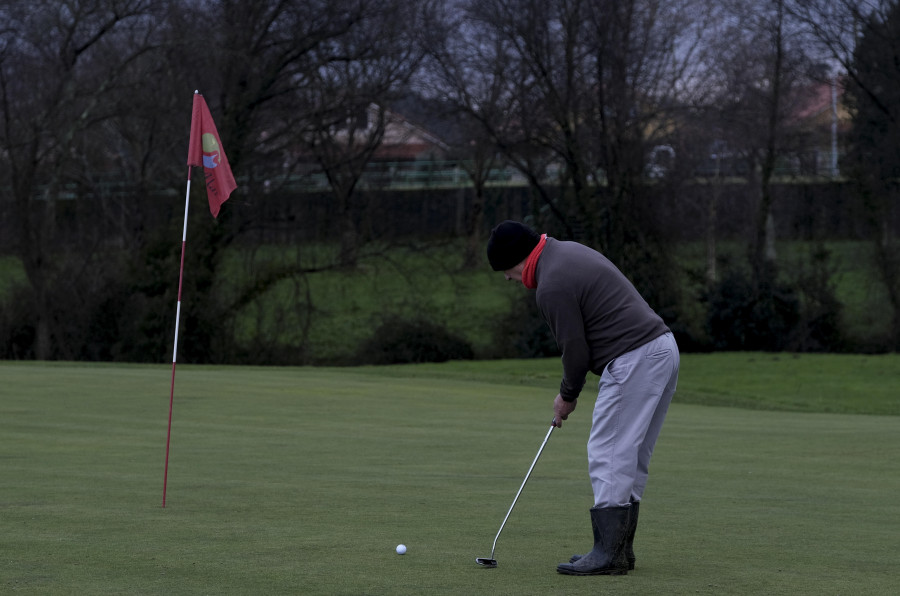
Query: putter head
<point x="489" y="563"/>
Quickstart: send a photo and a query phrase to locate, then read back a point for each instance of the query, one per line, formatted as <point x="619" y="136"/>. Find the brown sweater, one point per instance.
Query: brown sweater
<point x="594" y="312"/>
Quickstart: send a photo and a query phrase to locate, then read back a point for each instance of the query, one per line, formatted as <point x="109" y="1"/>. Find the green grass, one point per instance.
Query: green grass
<point x="857" y="384"/>
<point x="303" y="480"/>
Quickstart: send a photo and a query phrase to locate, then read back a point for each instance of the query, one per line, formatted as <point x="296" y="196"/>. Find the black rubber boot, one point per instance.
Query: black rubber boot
<point x="610" y="525"/>
<point x="628" y="551"/>
<point x="629" y="534"/>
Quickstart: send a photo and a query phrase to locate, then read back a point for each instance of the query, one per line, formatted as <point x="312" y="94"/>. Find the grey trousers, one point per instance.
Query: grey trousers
<point x="634" y="394"/>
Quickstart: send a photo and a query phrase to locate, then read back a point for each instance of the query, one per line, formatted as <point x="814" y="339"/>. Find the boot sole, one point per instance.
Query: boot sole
<point x="576" y="558"/>
<point x="597" y="572"/>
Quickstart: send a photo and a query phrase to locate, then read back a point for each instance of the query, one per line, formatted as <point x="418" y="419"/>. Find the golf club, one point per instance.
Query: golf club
<point x="492" y="562"/>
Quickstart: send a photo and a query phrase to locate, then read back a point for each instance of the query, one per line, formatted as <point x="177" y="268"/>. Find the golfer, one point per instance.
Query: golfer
<point x="601" y="324"/>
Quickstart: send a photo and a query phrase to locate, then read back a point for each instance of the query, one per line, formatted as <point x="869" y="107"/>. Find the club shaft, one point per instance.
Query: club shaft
<point x="494" y="547"/>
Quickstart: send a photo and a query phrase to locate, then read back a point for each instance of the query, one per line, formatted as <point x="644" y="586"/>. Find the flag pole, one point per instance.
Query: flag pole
<point x="204" y="150"/>
<point x="187" y="197"/>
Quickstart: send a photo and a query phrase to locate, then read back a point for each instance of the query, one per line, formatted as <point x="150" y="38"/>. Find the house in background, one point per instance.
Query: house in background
<point x="409" y="154"/>
<point x="405" y="140"/>
<point x="811" y="137"/>
<point x="823" y="120"/>
<point x="402" y="139"/>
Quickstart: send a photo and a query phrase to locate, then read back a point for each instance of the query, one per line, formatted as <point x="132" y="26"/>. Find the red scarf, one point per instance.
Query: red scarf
<point x="531" y="264"/>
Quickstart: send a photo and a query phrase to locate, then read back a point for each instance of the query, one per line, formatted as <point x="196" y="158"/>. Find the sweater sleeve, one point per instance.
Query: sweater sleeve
<point x="563" y="315"/>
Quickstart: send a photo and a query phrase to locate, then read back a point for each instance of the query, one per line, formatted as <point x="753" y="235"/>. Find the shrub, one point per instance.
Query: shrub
<point x="522" y="333"/>
<point x="818" y="329"/>
<point x="747" y="313"/>
<point x="17" y="332"/>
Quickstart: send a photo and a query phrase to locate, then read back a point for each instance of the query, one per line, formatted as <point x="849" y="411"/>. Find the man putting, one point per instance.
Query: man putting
<point x="603" y="325"/>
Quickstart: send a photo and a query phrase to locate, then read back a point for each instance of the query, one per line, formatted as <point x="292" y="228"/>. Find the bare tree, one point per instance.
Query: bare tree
<point x="293" y="75"/>
<point x="763" y="71"/>
<point x="859" y="39"/>
<point x="576" y="95"/>
<point x="348" y="100"/>
<point x="80" y="52"/>
<point x="478" y="158"/>
<point x="468" y="91"/>
<point x="872" y="158"/>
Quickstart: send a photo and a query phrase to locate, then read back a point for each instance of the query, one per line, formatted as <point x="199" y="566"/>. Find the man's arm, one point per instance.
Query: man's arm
<point x="562" y="313"/>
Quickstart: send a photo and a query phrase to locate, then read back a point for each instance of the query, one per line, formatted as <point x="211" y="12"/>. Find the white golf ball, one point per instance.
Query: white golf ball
<point x="401" y="549"/>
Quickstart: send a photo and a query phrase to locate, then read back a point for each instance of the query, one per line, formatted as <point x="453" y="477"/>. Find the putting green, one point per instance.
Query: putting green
<point x="303" y="481"/>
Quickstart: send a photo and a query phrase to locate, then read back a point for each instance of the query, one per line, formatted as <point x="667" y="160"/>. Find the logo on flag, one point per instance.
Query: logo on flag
<point x="205" y="149"/>
<point x="211" y="157"/>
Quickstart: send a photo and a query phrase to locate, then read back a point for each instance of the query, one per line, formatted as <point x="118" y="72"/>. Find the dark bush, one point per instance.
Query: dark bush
<point x="401" y="341"/>
<point x="17" y="333"/>
<point x="747" y="312"/>
<point x="80" y="319"/>
<point x="688" y="321"/>
<point x="523" y="333"/>
<point x="819" y="327"/>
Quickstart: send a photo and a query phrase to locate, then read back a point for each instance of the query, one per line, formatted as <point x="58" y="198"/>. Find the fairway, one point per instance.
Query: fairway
<point x="304" y="480"/>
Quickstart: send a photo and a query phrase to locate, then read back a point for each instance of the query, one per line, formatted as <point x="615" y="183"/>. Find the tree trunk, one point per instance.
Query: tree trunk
<point x="474" y="225"/>
<point x="771" y="254"/>
<point x="349" y="240"/>
<point x="711" y="256"/>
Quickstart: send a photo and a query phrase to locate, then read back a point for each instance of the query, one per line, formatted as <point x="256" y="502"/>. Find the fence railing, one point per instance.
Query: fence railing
<point x="411" y="175"/>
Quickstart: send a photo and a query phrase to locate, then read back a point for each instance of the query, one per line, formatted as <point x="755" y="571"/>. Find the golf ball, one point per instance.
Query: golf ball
<point x="401" y="549"/>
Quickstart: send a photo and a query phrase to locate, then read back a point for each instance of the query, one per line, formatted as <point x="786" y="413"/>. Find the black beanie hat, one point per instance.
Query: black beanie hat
<point x="510" y="243"/>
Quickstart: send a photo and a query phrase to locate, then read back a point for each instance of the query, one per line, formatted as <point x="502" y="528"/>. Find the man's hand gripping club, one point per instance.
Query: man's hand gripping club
<point x="562" y="409"/>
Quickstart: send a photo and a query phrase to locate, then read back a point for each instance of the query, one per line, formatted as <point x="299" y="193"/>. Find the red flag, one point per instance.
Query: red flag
<point x="206" y="150"/>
